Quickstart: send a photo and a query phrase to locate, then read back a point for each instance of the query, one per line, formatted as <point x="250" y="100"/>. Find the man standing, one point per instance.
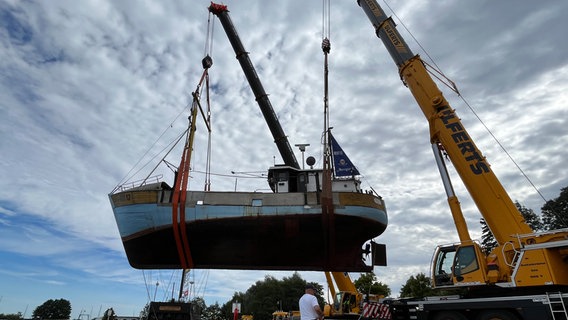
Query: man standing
<point x="309" y="307"/>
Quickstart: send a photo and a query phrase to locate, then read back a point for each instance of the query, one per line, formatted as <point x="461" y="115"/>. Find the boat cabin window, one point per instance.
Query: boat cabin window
<point x="257" y="202"/>
<point x="283" y="176"/>
<point x="302" y="182"/>
<point x="288" y="179"/>
<point x="282" y="181"/>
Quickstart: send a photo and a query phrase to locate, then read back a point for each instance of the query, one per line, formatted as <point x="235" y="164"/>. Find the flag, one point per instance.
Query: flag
<point x="342" y="166"/>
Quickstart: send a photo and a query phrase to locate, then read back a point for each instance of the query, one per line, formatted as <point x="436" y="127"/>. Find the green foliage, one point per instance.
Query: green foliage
<point x="488" y="242"/>
<point x="13" y="316"/>
<point x="198" y="305"/>
<point x="417" y="287"/>
<point x="531" y="218"/>
<point x="53" y="309"/>
<point x="212" y="312"/>
<point x="145" y="311"/>
<point x="269" y="295"/>
<point x="367" y="284"/>
<point x="555" y="212"/>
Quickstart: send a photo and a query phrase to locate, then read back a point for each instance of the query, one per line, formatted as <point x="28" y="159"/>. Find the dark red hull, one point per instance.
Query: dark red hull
<point x="276" y="243"/>
<point x="228" y="230"/>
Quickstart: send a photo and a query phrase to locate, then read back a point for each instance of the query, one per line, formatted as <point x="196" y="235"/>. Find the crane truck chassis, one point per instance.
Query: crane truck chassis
<point x="549" y="306"/>
<point x="526" y="276"/>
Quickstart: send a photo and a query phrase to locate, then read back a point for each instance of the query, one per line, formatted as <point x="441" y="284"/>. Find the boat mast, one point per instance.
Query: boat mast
<point x="326" y="195"/>
<point x="182" y="177"/>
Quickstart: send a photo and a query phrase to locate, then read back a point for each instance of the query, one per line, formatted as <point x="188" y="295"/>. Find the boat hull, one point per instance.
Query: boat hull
<point x="252" y="231"/>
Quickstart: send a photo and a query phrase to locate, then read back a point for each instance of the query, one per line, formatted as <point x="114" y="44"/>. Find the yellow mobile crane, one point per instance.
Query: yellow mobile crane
<point x="346" y="299"/>
<point x="350" y="303"/>
<point x="524" y="261"/>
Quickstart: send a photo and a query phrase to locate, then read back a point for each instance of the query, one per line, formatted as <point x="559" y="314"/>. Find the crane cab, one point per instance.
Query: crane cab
<point x="458" y="265"/>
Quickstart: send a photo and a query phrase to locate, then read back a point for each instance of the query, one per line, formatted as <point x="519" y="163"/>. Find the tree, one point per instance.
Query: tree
<point x="266" y="296"/>
<point x="53" y="309"/>
<point x="367" y="284"/>
<point x="555" y="212"/>
<point x="13" y="316"/>
<point x="417" y="287"/>
<point x="531" y="218"/>
<point x="198" y="305"/>
<point x="213" y="312"/>
<point x="488" y="242"/>
<point x="145" y="311"/>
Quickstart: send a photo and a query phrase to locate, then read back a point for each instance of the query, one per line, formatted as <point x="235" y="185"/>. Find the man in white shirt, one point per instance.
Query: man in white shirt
<point x="309" y="307"/>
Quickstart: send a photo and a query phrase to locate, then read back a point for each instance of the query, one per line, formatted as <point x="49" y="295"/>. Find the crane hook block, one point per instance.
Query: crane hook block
<point x="207" y="62"/>
<point x="326" y="45"/>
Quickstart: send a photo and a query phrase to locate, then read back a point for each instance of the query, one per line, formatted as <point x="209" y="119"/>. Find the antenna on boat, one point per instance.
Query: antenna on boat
<point x="302" y="147"/>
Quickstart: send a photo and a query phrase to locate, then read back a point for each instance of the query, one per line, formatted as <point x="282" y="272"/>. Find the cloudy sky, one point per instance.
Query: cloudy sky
<point x="90" y="89"/>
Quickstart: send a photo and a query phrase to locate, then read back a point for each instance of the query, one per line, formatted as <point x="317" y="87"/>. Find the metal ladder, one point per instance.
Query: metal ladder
<point x="555" y="299"/>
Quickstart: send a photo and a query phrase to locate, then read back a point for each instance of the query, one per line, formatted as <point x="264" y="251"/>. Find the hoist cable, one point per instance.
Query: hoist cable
<point x="326" y="48"/>
<point x="209" y="36"/>
<point x="207" y="186"/>
<point x="326" y="23"/>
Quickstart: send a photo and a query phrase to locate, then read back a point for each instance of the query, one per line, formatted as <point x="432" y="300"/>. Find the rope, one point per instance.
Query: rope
<point x="129" y="175"/>
<point x="207" y="186"/>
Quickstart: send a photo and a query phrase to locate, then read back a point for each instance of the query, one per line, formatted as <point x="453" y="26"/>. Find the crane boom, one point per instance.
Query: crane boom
<point x="522" y="257"/>
<point x="347" y="299"/>
<point x="445" y="127"/>
<point x="252" y="77"/>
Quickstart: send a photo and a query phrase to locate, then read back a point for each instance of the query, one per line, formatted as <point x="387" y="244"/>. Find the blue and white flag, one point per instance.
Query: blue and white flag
<point x="342" y="166"/>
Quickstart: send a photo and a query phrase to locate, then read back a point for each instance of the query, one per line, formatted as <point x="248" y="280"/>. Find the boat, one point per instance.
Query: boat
<point x="281" y="230"/>
<point x="316" y="219"/>
<point x="286" y="229"/>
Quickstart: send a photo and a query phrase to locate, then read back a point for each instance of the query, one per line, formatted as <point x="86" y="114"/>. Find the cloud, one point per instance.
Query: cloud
<point x="90" y="90"/>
